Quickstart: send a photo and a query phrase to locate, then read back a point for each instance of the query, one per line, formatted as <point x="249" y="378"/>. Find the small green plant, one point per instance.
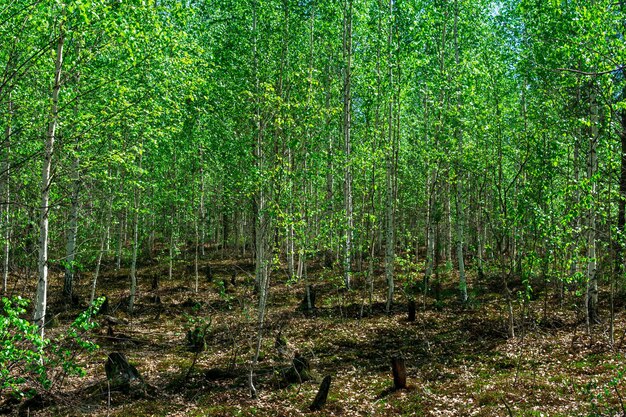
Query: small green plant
<point x="29" y="362"/>
<point x="409" y="276"/>
<point x="607" y="399"/>
<point x="223" y="293"/>
<point x="197" y="328"/>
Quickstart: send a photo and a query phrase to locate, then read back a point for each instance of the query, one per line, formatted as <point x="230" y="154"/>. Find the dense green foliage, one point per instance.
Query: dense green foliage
<point x="489" y="129"/>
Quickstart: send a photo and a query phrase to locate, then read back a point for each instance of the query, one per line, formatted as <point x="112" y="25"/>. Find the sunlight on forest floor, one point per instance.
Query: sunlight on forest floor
<point x="459" y="361"/>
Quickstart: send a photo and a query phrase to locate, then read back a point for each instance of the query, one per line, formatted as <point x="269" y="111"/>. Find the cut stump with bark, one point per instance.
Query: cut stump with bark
<point x="398" y="368"/>
<point x="322" y="395"/>
<point x="411" y="312"/>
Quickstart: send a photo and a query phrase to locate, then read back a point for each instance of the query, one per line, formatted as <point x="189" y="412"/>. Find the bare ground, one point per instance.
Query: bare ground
<point x="460" y="361"/>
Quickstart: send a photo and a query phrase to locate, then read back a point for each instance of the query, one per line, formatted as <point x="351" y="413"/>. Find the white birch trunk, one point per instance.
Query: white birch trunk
<point x="41" y="298"/>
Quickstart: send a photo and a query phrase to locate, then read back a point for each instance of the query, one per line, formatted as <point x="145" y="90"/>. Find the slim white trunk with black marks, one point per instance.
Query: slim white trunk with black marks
<point x="41" y="298"/>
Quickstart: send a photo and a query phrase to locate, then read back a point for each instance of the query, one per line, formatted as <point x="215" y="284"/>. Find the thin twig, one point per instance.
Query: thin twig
<point x="591" y="74"/>
<point x="621" y="401"/>
<point x="508" y="409"/>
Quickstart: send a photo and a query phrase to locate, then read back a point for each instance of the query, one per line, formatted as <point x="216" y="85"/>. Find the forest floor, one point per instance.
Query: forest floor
<point x="460" y="361"/>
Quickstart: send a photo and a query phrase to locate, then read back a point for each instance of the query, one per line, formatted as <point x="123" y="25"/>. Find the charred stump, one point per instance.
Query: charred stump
<point x="411" y="312"/>
<point x="300" y="370"/>
<point x="196" y="340"/>
<point x="233" y="277"/>
<point x="105" y="308"/>
<point x="398" y="368"/>
<point x="322" y="395"/>
<point x="120" y="373"/>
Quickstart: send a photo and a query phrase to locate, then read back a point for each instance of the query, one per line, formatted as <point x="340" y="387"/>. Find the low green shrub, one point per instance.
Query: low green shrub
<point x="30" y="363"/>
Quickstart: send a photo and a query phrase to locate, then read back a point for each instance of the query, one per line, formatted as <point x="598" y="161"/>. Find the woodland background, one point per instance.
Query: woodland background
<point x="343" y="159"/>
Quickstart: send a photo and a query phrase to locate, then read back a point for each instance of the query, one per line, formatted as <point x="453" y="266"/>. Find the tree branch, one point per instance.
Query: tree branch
<point x="591" y="74"/>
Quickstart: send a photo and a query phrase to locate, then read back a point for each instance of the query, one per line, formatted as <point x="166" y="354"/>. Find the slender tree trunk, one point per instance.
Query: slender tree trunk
<point x="447" y="226"/>
<point x="262" y="231"/>
<point x="390" y="175"/>
<point x="347" y="121"/>
<point x="621" y="215"/>
<point x="41" y="299"/>
<point x="431" y="179"/>
<point x="120" y="230"/>
<point x="72" y="235"/>
<point x="479" y="241"/>
<point x="458" y="181"/>
<point x="133" y="265"/>
<point x="592" y="167"/>
<point x="202" y="213"/>
<point x="7" y="196"/>
<point x="621" y="221"/>
<point x="172" y="244"/>
<point x="96" y="273"/>
<point x="104" y="243"/>
<point x="70" y="247"/>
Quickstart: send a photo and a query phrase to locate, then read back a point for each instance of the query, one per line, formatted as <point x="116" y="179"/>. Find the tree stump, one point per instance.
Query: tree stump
<point x="300" y="371"/>
<point x="155" y="281"/>
<point x="105" y="308"/>
<point x="195" y="340"/>
<point x="411" y="305"/>
<point x="280" y="343"/>
<point x="302" y="366"/>
<point x="322" y="395"/>
<point x="399" y="372"/>
<point x="233" y="277"/>
<point x="208" y="273"/>
<point x="120" y="373"/>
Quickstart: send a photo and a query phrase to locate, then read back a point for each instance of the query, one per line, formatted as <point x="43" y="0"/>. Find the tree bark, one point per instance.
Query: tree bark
<point x="347" y="122"/>
<point x="390" y="175"/>
<point x="592" y="167"/>
<point x="262" y="227"/>
<point x="7" y="196"/>
<point x="458" y="183"/>
<point x="70" y="248"/>
<point x="41" y="298"/>
<point x="398" y="368"/>
<point x="322" y="394"/>
<point x="133" y="265"/>
<point x="621" y="216"/>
